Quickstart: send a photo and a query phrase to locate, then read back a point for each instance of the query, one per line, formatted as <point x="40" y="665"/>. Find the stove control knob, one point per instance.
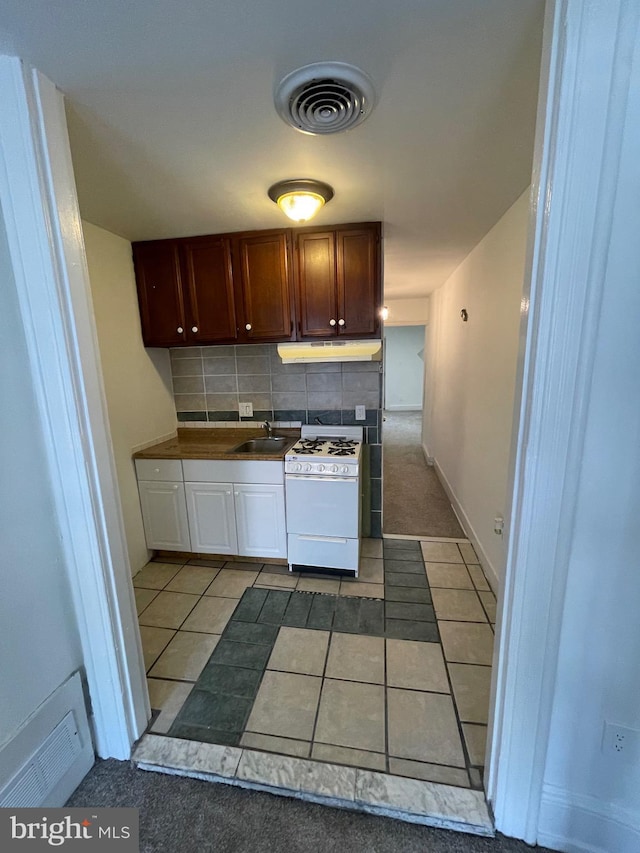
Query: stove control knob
<point x="307" y="467"/>
<point x="297" y="467"/>
<point x="334" y="469"/>
<point x="345" y="470"/>
<point x="320" y="467"/>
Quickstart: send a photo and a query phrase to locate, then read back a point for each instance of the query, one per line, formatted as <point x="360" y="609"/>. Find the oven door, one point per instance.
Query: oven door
<point x="323" y="506"/>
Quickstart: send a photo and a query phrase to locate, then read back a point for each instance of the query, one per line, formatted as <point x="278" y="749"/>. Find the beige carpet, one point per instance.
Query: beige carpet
<point x="415" y="504"/>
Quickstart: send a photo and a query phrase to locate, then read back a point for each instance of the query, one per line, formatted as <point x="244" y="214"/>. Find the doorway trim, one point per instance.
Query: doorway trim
<point x="582" y="113"/>
<point x="46" y="246"/>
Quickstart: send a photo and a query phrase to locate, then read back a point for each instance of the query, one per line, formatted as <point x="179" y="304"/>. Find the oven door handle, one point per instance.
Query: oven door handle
<point x="336" y="539"/>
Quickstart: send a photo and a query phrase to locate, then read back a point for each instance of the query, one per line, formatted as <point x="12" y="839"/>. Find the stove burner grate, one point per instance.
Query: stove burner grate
<point x="342" y="451"/>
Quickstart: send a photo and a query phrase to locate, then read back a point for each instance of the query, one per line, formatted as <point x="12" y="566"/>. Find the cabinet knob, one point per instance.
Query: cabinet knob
<point x="174" y="488"/>
<point x="156" y="470"/>
<point x="194" y="328"/>
<point x="341" y="322"/>
<point x="179" y="330"/>
<point x="248" y="327"/>
<point x="332" y="322"/>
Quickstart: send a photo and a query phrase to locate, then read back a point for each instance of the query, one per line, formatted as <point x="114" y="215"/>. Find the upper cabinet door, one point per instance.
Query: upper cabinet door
<point x="316" y="268"/>
<point x="263" y="294"/>
<point x="162" y="314"/>
<point x="208" y="278"/>
<point x="358" y="280"/>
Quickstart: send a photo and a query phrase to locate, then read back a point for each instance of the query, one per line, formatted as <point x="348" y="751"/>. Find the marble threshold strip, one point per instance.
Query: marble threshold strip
<point x="411" y="800"/>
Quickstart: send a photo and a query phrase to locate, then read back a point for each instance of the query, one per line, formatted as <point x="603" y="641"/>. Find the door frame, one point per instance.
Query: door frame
<point x="46" y="247"/>
<point x="586" y="73"/>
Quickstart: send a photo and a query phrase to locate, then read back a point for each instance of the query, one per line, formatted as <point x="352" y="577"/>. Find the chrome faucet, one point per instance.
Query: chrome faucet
<point x="268" y="428"/>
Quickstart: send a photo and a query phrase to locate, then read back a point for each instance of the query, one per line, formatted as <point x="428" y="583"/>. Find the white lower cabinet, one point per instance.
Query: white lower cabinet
<point x="164" y="515"/>
<point x="260" y="520"/>
<point x="210" y="509"/>
<point x="206" y="513"/>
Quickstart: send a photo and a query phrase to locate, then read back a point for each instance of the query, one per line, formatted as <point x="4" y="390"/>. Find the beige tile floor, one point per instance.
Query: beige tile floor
<point x="413" y="708"/>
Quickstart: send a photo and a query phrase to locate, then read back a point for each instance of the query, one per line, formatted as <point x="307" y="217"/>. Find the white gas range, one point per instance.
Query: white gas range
<point x="323" y="498"/>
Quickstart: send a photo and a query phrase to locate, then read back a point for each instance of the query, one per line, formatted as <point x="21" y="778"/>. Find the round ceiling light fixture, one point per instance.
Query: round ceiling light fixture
<point x="300" y="199"/>
<point x="325" y="97"/>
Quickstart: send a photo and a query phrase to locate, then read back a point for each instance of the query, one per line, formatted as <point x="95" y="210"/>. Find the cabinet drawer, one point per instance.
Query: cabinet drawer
<point x="329" y="552"/>
<point x="232" y="471"/>
<point x="159" y="469"/>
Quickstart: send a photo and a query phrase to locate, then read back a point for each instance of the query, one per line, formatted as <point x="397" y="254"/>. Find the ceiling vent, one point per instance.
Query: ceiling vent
<point x="325" y="97"/>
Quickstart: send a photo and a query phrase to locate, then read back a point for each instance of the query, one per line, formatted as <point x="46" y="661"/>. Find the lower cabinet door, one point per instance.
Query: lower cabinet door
<point x="260" y="521"/>
<point x="211" y="518"/>
<point x="164" y="515"/>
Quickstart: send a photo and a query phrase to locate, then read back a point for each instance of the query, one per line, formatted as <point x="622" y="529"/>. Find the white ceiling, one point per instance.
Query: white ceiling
<point x="173" y="129"/>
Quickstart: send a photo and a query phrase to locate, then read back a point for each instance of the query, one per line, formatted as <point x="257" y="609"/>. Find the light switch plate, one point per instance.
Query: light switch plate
<point x="361" y="413"/>
<point x="245" y="410"/>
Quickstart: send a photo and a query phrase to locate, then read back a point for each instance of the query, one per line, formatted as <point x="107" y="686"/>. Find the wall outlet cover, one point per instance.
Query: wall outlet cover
<point x="361" y="413"/>
<point x="245" y="410"/>
<point x="621" y="741"/>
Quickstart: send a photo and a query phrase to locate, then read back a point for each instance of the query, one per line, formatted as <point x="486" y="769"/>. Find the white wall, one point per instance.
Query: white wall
<point x="592" y="798"/>
<point x="137" y="380"/>
<point x="404" y="367"/>
<point x="39" y="643"/>
<point x="470" y="381"/>
<point x="407" y="312"/>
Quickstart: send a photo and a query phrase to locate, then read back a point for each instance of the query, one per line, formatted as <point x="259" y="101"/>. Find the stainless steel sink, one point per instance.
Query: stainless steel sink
<point x="262" y="445"/>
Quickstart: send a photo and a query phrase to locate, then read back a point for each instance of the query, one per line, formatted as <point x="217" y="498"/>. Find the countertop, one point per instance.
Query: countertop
<point x="215" y="443"/>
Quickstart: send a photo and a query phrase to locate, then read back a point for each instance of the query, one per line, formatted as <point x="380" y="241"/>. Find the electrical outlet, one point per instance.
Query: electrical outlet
<point x="245" y="410"/>
<point x="621" y="741"/>
<point x="498" y="525"/>
<point x="361" y="413"/>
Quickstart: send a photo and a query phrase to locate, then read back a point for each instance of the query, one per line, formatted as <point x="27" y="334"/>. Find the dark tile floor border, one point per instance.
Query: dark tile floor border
<point x="242" y="653"/>
<point x="218" y="708"/>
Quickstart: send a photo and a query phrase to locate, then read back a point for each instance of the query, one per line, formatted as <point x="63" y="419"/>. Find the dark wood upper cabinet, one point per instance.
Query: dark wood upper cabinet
<point x="262" y="284"/>
<point x="339" y="281"/>
<point x="317" y="303"/>
<point x="160" y="293"/>
<point x="358" y="281"/>
<point x="211" y="314"/>
<point x="252" y="286"/>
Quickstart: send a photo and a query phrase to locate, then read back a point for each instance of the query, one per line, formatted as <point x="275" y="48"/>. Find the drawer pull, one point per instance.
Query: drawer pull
<point x="333" y="539"/>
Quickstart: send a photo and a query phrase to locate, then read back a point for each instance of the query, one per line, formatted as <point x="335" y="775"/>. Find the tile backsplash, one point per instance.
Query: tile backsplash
<point x="209" y="383"/>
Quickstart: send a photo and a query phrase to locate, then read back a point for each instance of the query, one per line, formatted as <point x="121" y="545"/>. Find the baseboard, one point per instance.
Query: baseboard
<point x="430" y="460"/>
<point x="403" y="408"/>
<point x="465" y="523"/>
<point x="47" y="758"/>
<point x="581" y="824"/>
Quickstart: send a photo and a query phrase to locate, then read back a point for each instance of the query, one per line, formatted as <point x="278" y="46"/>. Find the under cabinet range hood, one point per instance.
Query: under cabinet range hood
<point x="306" y="353"/>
